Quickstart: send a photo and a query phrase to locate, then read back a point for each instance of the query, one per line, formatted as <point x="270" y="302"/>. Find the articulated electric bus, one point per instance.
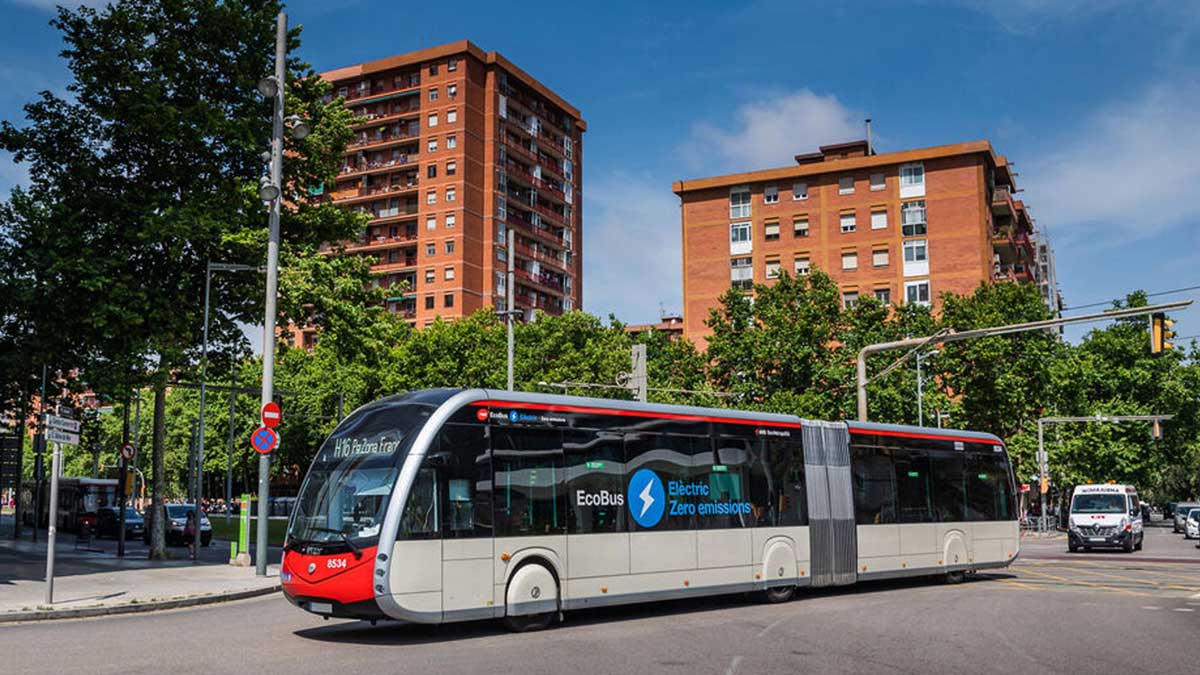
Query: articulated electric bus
<point x="451" y="505"/>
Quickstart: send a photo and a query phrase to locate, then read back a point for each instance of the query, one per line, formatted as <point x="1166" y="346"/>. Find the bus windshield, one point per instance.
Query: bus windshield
<point x="345" y="495"/>
<point x="1099" y="503"/>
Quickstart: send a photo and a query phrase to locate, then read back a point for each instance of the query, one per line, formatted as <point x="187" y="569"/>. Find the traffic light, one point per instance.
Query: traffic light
<point x="1160" y="333"/>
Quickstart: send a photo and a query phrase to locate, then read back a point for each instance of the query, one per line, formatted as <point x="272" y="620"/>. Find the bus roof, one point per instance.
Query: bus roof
<point x="923" y="432"/>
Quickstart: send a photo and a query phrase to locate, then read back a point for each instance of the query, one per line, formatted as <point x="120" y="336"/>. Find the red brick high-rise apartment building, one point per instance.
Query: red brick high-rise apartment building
<point x="901" y="226"/>
<point x="459" y="146"/>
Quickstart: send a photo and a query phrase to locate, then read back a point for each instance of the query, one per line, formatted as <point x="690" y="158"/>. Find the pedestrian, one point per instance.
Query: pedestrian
<point x="189" y="531"/>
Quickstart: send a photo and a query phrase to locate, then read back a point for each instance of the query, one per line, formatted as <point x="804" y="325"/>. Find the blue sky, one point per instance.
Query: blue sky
<point x="1095" y="101"/>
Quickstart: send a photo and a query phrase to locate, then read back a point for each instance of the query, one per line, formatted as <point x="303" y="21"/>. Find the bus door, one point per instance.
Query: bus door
<point x="529" y="498"/>
<point x="464" y="474"/>
<point x="598" y="541"/>
<point x="833" y="543"/>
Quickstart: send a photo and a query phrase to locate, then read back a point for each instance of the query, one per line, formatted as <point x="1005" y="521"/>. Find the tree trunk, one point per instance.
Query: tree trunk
<point x="158" y="544"/>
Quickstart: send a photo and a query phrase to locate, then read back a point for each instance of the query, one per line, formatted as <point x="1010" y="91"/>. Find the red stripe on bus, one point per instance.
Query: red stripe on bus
<point x="936" y="437"/>
<point x="634" y="413"/>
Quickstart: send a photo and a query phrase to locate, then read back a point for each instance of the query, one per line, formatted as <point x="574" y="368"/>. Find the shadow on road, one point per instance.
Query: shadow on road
<point x="393" y="633"/>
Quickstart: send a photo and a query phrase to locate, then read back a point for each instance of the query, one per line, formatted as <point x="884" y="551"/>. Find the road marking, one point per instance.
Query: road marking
<point x="733" y="665"/>
<point x="1183" y="609"/>
<point x="1151" y="607"/>
<point x="773" y="624"/>
<point x="1081" y="582"/>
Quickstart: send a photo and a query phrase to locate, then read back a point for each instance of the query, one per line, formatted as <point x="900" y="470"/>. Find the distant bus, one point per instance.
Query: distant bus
<point x="451" y="505"/>
<point x="79" y="500"/>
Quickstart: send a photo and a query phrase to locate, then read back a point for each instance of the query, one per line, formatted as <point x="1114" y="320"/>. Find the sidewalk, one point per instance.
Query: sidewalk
<point x="96" y="582"/>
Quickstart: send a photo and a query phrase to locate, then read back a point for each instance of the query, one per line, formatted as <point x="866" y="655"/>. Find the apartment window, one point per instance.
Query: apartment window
<point x="451" y="220"/>
<point x="877" y="182"/>
<point x="800" y="227"/>
<point x="431" y="197"/>
<point x="431" y="171"/>
<point x="451" y="194"/>
<point x="451" y="168"/>
<point x="772" y="269"/>
<point x="452" y="91"/>
<point x="501" y="213"/>
<point x="452" y="65"/>
<point x="451" y="116"/>
<point x="739" y="238"/>
<point x="801" y="267"/>
<point x="430" y="249"/>
<point x="433" y="69"/>
<point x="432" y="146"/>
<point x="883" y="295"/>
<point x="912" y="180"/>
<point x="916" y="292"/>
<point x="771" y="230"/>
<point x="433" y="94"/>
<point x="878" y="219"/>
<point x="846" y="185"/>
<point x="849" y="299"/>
<point x="799" y="191"/>
<point x="848" y="223"/>
<point x="849" y="261"/>
<point x="739" y="203"/>
<point x="449" y="274"/>
<point x="429" y="302"/>
<point x="449" y="247"/>
<point x="915" y="251"/>
<point x="431" y="223"/>
<point x="741" y="272"/>
<point x="451" y="142"/>
<point x="448" y="300"/>
<point x="912" y="219"/>
<point x="879" y="257"/>
<point x="771" y="195"/>
<point x="433" y="121"/>
<point x="430" y="276"/>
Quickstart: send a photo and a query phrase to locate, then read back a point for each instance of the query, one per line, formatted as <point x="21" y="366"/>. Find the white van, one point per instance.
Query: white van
<point x="1105" y="516"/>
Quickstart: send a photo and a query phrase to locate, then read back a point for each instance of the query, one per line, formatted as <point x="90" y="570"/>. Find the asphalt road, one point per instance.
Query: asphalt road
<point x="1103" y="612"/>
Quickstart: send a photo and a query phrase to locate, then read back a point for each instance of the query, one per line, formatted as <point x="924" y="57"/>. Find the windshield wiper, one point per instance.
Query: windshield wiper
<point x="357" y="550"/>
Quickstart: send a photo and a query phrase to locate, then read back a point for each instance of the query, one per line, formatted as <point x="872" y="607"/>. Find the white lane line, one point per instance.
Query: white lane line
<point x="1151" y="607"/>
<point x="1195" y="597"/>
<point x="773" y="624"/>
<point x="733" y="665"/>
<point x="1183" y="609"/>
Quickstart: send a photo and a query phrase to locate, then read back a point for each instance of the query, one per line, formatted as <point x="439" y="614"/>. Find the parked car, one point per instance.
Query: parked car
<point x="176" y="519"/>
<point x="1192" y="525"/>
<point x="1181" y="512"/>
<point x="108" y="522"/>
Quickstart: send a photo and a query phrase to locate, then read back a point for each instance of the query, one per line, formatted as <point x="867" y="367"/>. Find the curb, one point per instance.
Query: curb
<point x="129" y="608"/>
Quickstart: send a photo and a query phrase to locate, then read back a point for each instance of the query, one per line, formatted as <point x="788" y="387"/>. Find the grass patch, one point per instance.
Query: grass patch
<point x="276" y="528"/>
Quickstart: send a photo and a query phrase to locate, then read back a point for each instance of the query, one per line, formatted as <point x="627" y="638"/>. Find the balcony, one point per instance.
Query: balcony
<point x="382" y="242"/>
<point x="401" y="265"/>
<point x="532" y="253"/>
<point x="547" y="212"/>
<point x="396" y="114"/>
<point x="1002" y="201"/>
<point x="541" y="233"/>
<point x="1017" y="273"/>
<point x="378" y="142"/>
<point x="366" y="194"/>
<point x="363" y="95"/>
<point x="349" y="171"/>
<point x="543" y="280"/>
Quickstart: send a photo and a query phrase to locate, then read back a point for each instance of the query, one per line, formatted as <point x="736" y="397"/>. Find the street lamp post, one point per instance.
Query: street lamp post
<point x="920" y="387"/>
<point x="271" y="191"/>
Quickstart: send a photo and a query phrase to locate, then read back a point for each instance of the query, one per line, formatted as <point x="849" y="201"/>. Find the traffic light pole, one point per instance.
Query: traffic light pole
<point x="1043" y="459"/>
<point x="915" y="345"/>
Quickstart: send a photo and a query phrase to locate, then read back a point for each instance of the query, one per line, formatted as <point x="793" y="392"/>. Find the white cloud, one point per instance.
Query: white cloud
<point x="631" y="249"/>
<point x="1129" y="172"/>
<point x="1025" y="16"/>
<point x="770" y="131"/>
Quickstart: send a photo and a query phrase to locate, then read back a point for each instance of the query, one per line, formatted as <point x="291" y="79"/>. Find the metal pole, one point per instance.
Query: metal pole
<point x="920" y="398"/>
<point x="1042" y="475"/>
<point x="341" y="405"/>
<point x="951" y="336"/>
<point x="229" y="460"/>
<point x="200" y="438"/>
<point x="121" y="480"/>
<point x="137" y="417"/>
<point x="511" y="304"/>
<point x="39" y="451"/>
<point x="52" y="531"/>
<point x="268" y="381"/>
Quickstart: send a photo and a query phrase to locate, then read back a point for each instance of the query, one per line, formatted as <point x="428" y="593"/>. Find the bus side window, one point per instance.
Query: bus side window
<point x="949" y="487"/>
<point x="874" y="485"/>
<point x="728" y="482"/>
<point x="913" y="491"/>
<point x="527" y="490"/>
<point x="988" y="487"/>
<point x="420" y="518"/>
<point x="466" y="507"/>
<point x="595" y="481"/>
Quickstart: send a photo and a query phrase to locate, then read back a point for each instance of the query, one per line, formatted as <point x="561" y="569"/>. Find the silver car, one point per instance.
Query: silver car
<point x="1181" y="512"/>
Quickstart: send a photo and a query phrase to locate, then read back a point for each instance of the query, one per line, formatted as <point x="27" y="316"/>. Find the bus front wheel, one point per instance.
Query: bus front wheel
<point x="778" y="594"/>
<point x="529" y="622"/>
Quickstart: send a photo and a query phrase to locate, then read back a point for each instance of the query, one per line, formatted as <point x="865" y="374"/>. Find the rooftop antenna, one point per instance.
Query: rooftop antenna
<point x="870" y="146"/>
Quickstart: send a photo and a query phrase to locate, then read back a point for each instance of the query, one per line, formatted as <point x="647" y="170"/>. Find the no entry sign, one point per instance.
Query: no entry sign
<point x="128" y="452"/>
<point x="271" y="415"/>
<point x="264" y="440"/>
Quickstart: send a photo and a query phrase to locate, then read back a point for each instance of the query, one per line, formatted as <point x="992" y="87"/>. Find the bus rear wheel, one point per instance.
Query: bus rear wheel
<point x="778" y="594"/>
<point x="529" y="622"/>
<point x="955" y="577"/>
